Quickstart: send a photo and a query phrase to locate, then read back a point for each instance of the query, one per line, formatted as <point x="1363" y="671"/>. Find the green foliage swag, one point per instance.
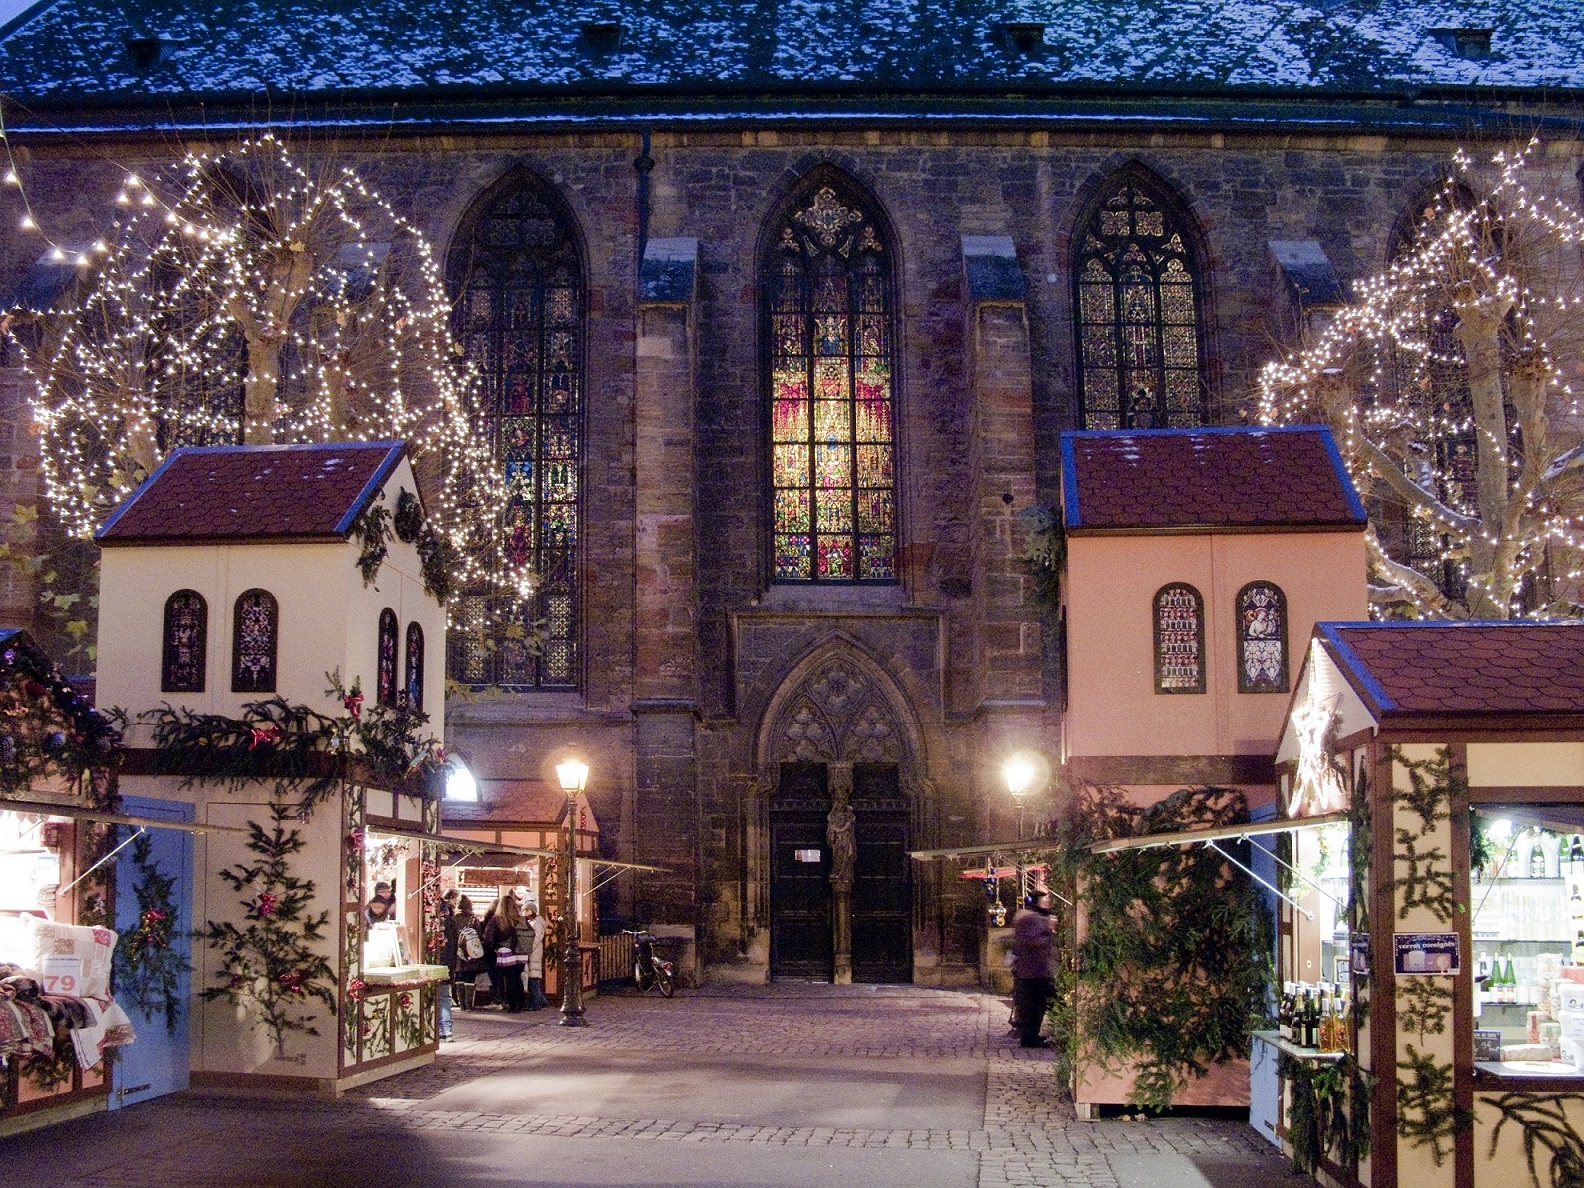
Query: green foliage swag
<point x="1542" y="1118"/>
<point x="269" y="963"/>
<point x="1323" y="1119"/>
<point x="306" y="753"/>
<point x="1045" y="552"/>
<point x="1175" y="964"/>
<point x="148" y="968"/>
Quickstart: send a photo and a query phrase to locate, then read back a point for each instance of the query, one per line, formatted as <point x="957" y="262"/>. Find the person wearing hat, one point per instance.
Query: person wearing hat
<point x="533" y="971"/>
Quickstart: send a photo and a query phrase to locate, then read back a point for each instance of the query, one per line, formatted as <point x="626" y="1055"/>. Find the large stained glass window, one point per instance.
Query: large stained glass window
<point x="1139" y="313"/>
<point x="832" y="443"/>
<point x="186" y="643"/>
<point x="1179" y="639"/>
<point x="519" y="279"/>
<point x="254" y="640"/>
<point x="1262" y="638"/>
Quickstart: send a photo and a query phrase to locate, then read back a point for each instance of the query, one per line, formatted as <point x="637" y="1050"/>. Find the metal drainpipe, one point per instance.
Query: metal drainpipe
<point x="643" y="164"/>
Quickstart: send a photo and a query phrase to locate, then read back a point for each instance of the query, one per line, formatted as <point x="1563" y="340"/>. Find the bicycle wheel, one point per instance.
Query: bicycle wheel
<point x="641" y="976"/>
<point x="664" y="980"/>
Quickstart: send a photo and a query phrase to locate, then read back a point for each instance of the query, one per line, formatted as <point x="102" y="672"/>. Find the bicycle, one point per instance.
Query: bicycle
<point x="649" y="971"/>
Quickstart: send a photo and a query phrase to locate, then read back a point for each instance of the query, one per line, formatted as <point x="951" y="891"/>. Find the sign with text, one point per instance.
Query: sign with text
<point x="63" y="975"/>
<point x="1427" y="953"/>
<point x="806" y="855"/>
<point x="1359" y="954"/>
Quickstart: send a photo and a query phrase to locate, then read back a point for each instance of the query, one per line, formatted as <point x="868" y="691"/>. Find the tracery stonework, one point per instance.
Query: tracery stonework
<point x="838" y="716"/>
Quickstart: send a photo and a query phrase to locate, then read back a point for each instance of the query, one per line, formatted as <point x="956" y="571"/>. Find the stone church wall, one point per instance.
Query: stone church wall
<point x="686" y="647"/>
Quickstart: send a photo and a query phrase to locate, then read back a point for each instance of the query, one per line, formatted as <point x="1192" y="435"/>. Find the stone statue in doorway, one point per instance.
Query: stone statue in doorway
<point x="840" y="835"/>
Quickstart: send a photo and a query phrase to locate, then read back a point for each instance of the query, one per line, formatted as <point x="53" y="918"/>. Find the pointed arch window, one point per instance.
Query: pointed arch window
<point x="1262" y="638"/>
<point x="518" y="273"/>
<point x="385" y="683"/>
<point x="828" y="314"/>
<point x="254" y="640"/>
<point x="1178" y="615"/>
<point x="1140" y="312"/>
<point x="414" y="684"/>
<point x="186" y="643"/>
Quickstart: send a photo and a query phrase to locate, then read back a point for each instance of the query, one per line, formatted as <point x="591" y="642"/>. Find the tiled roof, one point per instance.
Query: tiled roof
<point x="253" y="493"/>
<point x="1462" y="668"/>
<point x="78" y="50"/>
<point x="515" y="802"/>
<point x="1204" y="479"/>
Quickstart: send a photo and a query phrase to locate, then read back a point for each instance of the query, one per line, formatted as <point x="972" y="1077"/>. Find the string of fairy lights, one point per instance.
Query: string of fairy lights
<point x="243" y="298"/>
<point x="1391" y="376"/>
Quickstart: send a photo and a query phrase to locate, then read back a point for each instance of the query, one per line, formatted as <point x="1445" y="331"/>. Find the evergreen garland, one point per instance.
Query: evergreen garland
<point x="1175" y="964"/>
<point x="372" y="527"/>
<point x="1045" y="553"/>
<point x="269" y="964"/>
<point x="48" y="731"/>
<point x="1427" y="1113"/>
<point x="409" y="518"/>
<point x="147" y="968"/>
<point x="1542" y="1117"/>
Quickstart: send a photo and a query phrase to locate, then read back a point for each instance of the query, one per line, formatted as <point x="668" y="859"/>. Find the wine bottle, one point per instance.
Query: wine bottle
<point x="1510" y="981"/>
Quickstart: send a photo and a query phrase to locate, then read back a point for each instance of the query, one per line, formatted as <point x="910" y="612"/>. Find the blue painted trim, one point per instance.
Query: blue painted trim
<point x="142" y="487"/>
<point x="1069" y="481"/>
<point x="1342" y="475"/>
<point x="1347" y="659"/>
<point x="1246" y="430"/>
<point x="397" y="450"/>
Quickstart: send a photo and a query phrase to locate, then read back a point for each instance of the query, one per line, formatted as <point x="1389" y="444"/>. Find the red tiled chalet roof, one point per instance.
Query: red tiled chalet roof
<point x="1203" y="479"/>
<point x="1463" y="668"/>
<point x="234" y="493"/>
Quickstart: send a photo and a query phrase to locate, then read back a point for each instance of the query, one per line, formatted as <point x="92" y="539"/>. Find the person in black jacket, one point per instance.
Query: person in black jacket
<point x="465" y="969"/>
<point x="500" y="941"/>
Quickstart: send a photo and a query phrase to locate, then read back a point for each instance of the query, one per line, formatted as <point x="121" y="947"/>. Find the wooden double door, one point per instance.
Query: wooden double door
<point x="801" y="932"/>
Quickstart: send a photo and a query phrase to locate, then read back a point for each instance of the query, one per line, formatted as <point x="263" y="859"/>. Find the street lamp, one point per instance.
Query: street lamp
<point x="573" y="775"/>
<point x="1019" y="775"/>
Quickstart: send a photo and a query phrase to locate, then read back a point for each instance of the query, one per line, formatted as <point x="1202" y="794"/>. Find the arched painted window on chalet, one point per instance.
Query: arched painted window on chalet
<point x="828" y="311"/>
<point x="1139" y="309"/>
<point x="186" y="643"/>
<point x="254" y="642"/>
<point x="414" y="683"/>
<point x="518" y="274"/>
<point x="385" y="684"/>
<point x="1262" y="638"/>
<point x="1179" y="639"/>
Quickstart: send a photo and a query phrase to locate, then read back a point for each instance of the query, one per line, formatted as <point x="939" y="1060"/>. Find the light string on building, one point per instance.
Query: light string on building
<point x="1445" y="386"/>
<point x="244" y="298"/>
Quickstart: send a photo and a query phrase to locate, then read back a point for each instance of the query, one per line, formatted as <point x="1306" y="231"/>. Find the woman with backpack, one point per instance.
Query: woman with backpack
<point x="500" y="939"/>
<point x="470" y="957"/>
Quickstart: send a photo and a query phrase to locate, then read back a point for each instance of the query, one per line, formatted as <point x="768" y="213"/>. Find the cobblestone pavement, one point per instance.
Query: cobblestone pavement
<point x="729" y="1085"/>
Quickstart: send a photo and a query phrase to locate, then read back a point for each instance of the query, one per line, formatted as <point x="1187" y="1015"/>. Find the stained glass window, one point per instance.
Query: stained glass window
<point x="415" y="665"/>
<point x="832" y="445"/>
<point x="385" y="685"/>
<point x="520" y="304"/>
<point x="253" y="646"/>
<point x="186" y="643"/>
<point x="1179" y="639"/>
<point x="1262" y="638"/>
<point x="1139" y="313"/>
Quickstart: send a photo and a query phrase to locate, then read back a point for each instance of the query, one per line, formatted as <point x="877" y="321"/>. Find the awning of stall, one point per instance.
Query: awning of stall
<point x="48" y="808"/>
<point x="1185" y="837"/>
<point x="468" y="849"/>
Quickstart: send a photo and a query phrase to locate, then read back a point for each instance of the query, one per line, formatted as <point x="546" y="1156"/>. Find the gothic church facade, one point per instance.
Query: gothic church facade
<point x="781" y="317"/>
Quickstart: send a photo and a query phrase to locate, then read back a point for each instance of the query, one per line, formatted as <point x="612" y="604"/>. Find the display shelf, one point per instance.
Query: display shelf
<point x="1297" y="1051"/>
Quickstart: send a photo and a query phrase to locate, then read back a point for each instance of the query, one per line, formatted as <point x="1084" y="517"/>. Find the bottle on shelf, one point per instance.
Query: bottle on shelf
<point x="1510" y="981"/>
<point x="1284" y="1012"/>
<point x="1312" y="1022"/>
<point x="1576" y="857"/>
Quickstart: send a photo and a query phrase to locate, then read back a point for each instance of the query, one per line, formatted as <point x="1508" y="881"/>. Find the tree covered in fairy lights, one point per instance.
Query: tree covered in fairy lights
<point x="1446" y="385"/>
<point x="250" y="298"/>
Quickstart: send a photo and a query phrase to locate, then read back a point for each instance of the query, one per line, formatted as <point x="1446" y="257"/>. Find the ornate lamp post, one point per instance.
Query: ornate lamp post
<point x="573" y="775"/>
<point x="1019" y="775"/>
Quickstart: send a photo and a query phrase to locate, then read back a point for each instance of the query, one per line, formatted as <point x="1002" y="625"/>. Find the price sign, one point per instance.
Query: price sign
<point x="63" y="975"/>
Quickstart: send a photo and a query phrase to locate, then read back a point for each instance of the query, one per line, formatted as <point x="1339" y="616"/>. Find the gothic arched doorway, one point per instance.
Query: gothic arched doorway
<point x="840" y="826"/>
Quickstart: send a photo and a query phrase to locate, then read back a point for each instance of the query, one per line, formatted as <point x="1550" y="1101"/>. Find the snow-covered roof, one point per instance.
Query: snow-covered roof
<point x="121" y="51"/>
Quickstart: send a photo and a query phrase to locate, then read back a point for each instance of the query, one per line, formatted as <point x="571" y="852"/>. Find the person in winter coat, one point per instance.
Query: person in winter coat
<point x="500" y="939"/>
<point x="446" y="911"/>
<point x="534" y="971"/>
<point x="1033" y="968"/>
<point x="465" y="969"/>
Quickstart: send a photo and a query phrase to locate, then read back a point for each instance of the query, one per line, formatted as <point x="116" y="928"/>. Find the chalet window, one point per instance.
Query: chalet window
<point x="1140" y="358"/>
<point x="826" y="281"/>
<point x="1262" y="638"/>
<point x="415" y="665"/>
<point x="256" y="633"/>
<point x="385" y="684"/>
<point x="186" y="644"/>
<point x="518" y="276"/>
<point x="1179" y="639"/>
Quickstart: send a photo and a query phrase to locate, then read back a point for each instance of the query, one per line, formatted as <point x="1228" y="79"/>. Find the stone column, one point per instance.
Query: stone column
<point x="665" y="631"/>
<point x="841" y="836"/>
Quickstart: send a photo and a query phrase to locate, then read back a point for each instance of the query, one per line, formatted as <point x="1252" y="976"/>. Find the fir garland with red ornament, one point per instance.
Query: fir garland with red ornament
<point x="270" y="963"/>
<point x="148" y="966"/>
